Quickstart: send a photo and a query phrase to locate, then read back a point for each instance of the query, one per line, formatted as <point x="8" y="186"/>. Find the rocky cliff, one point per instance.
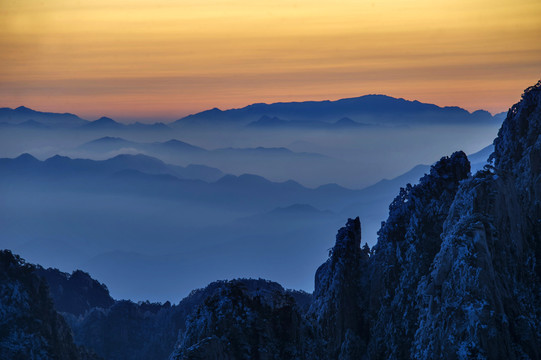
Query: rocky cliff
<point x="30" y="328"/>
<point x="407" y="244"/>
<point x="482" y="295"/>
<point x="338" y="311"/>
<point x="75" y="293"/>
<point x="245" y="319"/>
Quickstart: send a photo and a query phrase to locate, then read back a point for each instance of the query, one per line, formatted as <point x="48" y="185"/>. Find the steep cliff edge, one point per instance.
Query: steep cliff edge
<point x="338" y="311"/>
<point x="482" y="296"/>
<point x="407" y="244"/>
<point x="30" y="328"/>
<point x="75" y="293"/>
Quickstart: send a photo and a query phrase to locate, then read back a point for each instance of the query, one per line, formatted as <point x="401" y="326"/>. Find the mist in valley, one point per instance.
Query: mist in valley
<point x="156" y="211"/>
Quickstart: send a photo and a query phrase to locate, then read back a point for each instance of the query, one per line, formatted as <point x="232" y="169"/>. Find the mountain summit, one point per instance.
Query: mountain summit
<point x="23" y="114"/>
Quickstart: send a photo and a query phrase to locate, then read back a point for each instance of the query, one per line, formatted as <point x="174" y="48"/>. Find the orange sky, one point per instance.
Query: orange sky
<point x="143" y="59"/>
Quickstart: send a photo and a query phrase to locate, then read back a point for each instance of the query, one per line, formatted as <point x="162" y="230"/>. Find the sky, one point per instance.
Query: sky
<point x="152" y="60"/>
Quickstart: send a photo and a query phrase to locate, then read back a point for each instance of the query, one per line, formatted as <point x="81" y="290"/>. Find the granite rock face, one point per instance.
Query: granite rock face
<point x="338" y="311"/>
<point x="245" y="319"/>
<point x="30" y="328"/>
<point x="482" y="297"/>
<point x="75" y="293"/>
<point x="407" y="244"/>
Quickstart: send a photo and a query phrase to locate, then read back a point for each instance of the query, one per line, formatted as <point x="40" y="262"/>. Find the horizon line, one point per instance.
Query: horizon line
<point x="172" y="119"/>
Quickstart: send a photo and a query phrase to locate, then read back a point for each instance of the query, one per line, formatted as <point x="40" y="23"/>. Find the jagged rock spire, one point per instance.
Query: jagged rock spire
<point x="339" y="306"/>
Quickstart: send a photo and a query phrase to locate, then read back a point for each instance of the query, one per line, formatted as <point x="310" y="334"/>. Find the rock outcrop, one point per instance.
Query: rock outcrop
<point x="482" y="297"/>
<point x="245" y="319"/>
<point x="75" y="293"/>
<point x="407" y="244"/>
<point x="338" y="311"/>
<point x="30" y="328"/>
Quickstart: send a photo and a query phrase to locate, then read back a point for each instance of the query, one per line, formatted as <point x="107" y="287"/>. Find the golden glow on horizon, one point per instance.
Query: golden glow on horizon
<point x="168" y="58"/>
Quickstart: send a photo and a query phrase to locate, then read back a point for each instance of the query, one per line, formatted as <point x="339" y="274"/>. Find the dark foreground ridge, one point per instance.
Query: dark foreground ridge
<point x="30" y="328"/>
<point x="455" y="275"/>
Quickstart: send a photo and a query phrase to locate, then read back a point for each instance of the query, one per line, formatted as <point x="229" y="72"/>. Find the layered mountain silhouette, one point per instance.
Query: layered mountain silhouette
<point x="455" y="274"/>
<point x="98" y="215"/>
<point x="22" y="115"/>
<point x="266" y="122"/>
<point x="344" y="113"/>
<point x="175" y="147"/>
<point x="104" y="123"/>
<point x="107" y="124"/>
<point x="266" y="161"/>
<point x="358" y="112"/>
<point x="353" y="147"/>
<point x="147" y="175"/>
<point x="58" y="166"/>
<point x="109" y="144"/>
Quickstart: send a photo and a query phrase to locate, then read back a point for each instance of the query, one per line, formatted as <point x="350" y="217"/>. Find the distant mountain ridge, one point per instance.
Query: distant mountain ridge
<point x="23" y="114"/>
<point x="266" y="122"/>
<point x="109" y="143"/>
<point x="140" y="174"/>
<point x="356" y="112"/>
<point x="139" y="162"/>
<point x="106" y="123"/>
<point x="368" y="109"/>
<point x="23" y="117"/>
<point x="258" y="160"/>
